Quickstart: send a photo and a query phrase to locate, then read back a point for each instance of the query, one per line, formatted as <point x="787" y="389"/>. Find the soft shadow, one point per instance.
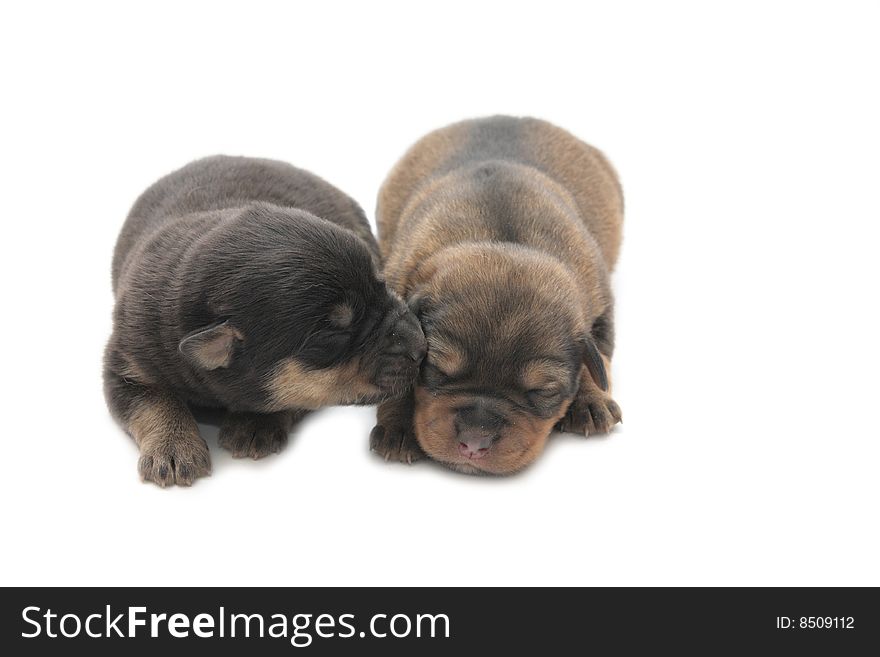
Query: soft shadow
<point x="427" y="465"/>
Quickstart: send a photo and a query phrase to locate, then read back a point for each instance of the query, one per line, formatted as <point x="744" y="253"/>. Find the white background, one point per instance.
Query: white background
<point x="747" y="360"/>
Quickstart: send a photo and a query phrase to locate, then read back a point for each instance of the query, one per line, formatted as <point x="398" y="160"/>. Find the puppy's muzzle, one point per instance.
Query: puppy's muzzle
<point x="403" y="351"/>
<point x="407" y="339"/>
<point x="478" y="427"/>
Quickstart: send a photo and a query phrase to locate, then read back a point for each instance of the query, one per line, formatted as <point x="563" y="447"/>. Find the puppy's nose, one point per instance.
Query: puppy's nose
<point x="478" y="426"/>
<point x="408" y="339"/>
<point x="480" y="414"/>
<point x="474" y="444"/>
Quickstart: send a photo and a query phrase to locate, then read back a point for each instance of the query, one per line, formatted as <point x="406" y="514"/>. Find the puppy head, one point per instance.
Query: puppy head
<point x="507" y="341"/>
<point x="286" y="310"/>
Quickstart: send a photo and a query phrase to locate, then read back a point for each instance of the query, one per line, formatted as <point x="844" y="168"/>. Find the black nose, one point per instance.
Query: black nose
<point x="480" y="414"/>
<point x="478" y="426"/>
<point x="407" y="339"/>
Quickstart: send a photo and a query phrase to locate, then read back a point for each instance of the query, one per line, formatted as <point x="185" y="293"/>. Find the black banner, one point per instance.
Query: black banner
<point x="436" y="620"/>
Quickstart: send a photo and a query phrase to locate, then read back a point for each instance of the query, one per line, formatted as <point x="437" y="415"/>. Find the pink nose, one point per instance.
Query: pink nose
<point x="474" y="445"/>
<point x="468" y="452"/>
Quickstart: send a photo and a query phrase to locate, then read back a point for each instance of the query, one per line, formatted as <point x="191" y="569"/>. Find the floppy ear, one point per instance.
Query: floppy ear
<point x="211" y="347"/>
<point x="595" y="365"/>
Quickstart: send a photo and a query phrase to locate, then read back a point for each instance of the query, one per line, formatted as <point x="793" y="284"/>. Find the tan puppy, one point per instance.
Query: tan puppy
<point x="500" y="234"/>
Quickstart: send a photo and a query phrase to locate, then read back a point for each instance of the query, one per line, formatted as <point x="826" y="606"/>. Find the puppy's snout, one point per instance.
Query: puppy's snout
<point x="480" y="414"/>
<point x="402" y="351"/>
<point x="408" y="339"/>
<point x="478" y="426"/>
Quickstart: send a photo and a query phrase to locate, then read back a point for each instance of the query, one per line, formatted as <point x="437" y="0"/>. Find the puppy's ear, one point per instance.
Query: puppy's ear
<point x="211" y="347"/>
<point x="595" y="365"/>
<point x="417" y="301"/>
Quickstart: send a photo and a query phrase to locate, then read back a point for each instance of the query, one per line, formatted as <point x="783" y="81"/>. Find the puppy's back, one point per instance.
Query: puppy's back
<point x="581" y="169"/>
<point x="221" y="182"/>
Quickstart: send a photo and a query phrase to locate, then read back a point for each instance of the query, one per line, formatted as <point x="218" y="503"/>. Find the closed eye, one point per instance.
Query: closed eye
<point x="337" y="341"/>
<point x="545" y="396"/>
<point x="325" y="343"/>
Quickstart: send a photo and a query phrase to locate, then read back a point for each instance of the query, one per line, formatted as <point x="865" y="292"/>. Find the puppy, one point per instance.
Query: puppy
<point x="252" y="286"/>
<point x="501" y="234"/>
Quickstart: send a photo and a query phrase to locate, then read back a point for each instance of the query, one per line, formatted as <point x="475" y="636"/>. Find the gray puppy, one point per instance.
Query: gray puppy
<point x="252" y="286"/>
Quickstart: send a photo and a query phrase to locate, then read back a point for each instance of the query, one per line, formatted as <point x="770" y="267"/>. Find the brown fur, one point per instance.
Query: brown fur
<point x="292" y="385"/>
<point x="394" y="435"/>
<point x="256" y="435"/>
<point x="520" y="443"/>
<point x="501" y="233"/>
<point x="172" y="451"/>
<point x="131" y="372"/>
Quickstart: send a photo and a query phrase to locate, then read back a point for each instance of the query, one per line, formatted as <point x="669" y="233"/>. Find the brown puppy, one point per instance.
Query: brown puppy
<point x="501" y="234"/>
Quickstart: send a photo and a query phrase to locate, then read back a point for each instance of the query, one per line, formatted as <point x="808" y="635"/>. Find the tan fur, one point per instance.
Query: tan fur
<point x="217" y="351"/>
<point x="521" y="442"/>
<point x="172" y="451"/>
<point x="445" y="356"/>
<point x="132" y="372"/>
<point x="342" y="315"/>
<point x="540" y="374"/>
<point x="293" y="386"/>
<point x="607" y="362"/>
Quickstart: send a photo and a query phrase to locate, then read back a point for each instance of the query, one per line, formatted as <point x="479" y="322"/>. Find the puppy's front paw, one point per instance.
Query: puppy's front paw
<point x="395" y="443"/>
<point x="253" y="435"/>
<point x="591" y="413"/>
<point x="180" y="460"/>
